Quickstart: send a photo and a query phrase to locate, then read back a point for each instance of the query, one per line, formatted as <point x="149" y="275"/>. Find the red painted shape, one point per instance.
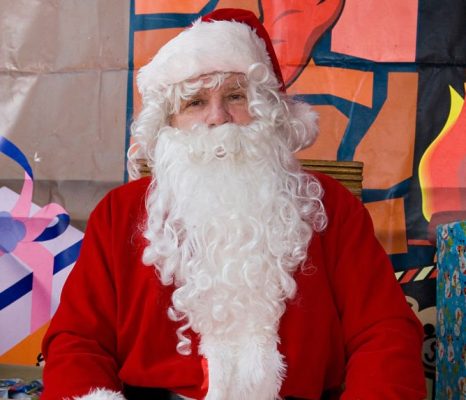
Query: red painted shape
<point x="294" y="27"/>
<point x="445" y="170"/>
<point x="407" y="277"/>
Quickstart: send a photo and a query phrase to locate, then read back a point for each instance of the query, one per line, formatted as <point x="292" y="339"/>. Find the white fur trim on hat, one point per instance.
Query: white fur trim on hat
<point x="206" y="47"/>
<point x="101" y="394"/>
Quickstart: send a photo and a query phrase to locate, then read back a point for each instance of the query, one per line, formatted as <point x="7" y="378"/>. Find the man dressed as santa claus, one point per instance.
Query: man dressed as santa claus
<point x="232" y="274"/>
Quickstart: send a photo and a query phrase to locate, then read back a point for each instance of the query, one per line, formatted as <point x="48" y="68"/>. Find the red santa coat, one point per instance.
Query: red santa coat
<point x="349" y="325"/>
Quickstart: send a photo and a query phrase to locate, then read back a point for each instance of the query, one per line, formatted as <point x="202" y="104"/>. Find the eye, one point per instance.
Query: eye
<point x="194" y="103"/>
<point x="237" y="96"/>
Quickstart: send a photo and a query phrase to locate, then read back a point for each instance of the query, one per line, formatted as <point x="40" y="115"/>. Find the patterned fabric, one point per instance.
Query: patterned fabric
<point x="451" y="306"/>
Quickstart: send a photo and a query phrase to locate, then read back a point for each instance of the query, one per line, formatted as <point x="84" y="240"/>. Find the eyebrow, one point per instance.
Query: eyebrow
<point x="234" y="86"/>
<point x="228" y="87"/>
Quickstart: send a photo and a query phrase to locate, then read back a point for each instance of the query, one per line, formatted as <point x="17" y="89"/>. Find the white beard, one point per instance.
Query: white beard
<point x="229" y="221"/>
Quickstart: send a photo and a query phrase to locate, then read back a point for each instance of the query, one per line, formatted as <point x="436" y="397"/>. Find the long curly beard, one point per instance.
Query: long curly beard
<point x="229" y="221"/>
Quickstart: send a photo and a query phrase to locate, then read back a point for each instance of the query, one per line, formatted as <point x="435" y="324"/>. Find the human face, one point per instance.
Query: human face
<point x="216" y="106"/>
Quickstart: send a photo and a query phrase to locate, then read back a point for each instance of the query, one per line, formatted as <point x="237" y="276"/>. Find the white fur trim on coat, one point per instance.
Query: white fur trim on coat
<point x="206" y="47"/>
<point x="101" y="394"/>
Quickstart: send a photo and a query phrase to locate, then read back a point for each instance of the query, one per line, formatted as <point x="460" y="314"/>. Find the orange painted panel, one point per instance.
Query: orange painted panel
<point x="332" y="125"/>
<point x="147" y="43"/>
<point x="168" y="6"/>
<point x="390" y="225"/>
<point x="384" y="30"/>
<point x="189" y="6"/>
<point x="137" y="100"/>
<point x="245" y="4"/>
<point x="345" y="83"/>
<point x="387" y="149"/>
<point x="26" y="351"/>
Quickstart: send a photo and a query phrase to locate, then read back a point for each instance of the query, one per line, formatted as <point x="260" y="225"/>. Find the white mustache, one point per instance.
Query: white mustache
<point x="203" y="144"/>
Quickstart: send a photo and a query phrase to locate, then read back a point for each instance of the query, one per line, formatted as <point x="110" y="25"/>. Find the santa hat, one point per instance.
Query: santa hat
<point x="226" y="40"/>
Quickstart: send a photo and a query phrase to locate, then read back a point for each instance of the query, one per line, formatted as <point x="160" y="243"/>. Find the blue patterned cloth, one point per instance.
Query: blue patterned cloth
<point x="451" y="308"/>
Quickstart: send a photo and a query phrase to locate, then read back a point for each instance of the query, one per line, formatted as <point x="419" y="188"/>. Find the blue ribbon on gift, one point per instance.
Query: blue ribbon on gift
<point x="9" y="149"/>
<point x="63" y="220"/>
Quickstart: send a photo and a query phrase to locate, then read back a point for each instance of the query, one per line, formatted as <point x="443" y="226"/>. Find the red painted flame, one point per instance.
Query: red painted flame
<point x="442" y="170"/>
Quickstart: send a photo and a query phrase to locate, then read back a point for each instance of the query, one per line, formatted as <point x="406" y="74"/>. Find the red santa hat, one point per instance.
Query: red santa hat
<point x="226" y="40"/>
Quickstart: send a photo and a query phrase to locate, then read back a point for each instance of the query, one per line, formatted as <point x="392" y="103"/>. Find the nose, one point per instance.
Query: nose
<point x="218" y="114"/>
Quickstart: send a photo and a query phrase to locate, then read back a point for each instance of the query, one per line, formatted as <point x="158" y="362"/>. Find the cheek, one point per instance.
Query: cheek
<point x="183" y="121"/>
<point x="241" y="116"/>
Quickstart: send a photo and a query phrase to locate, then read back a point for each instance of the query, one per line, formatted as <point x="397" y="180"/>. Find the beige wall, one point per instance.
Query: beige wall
<point x="63" y="83"/>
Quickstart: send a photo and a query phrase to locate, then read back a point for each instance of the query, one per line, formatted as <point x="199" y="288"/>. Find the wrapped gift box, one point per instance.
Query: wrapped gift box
<point x="27" y="304"/>
<point x="451" y="308"/>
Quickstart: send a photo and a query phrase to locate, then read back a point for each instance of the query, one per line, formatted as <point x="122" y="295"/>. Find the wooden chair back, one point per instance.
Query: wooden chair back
<point x="349" y="173"/>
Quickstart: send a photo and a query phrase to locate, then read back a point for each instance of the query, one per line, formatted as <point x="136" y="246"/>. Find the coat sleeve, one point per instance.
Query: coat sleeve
<point x="80" y="344"/>
<point x="383" y="337"/>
